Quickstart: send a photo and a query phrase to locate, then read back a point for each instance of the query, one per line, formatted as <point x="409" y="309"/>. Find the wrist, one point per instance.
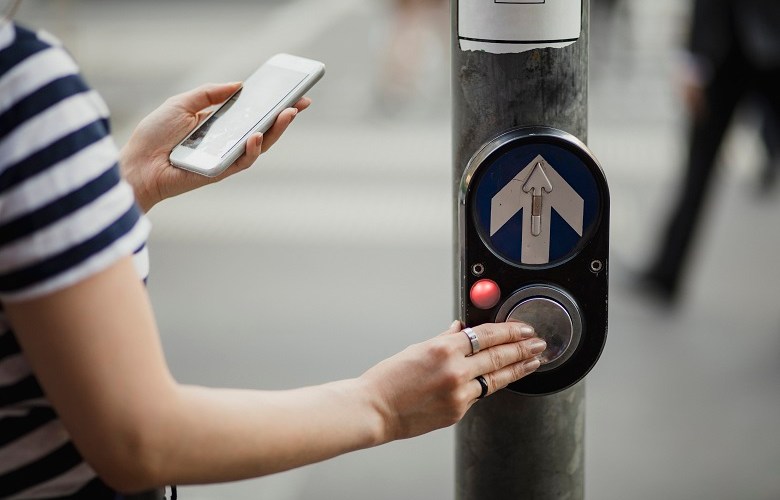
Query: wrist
<point x="132" y="171"/>
<point x="382" y="416"/>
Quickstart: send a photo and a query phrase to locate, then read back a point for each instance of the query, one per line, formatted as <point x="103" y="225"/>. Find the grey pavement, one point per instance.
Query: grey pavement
<point x="334" y="251"/>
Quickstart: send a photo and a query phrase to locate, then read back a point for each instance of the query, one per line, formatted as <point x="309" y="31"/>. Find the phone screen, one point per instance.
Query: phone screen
<point x="261" y="92"/>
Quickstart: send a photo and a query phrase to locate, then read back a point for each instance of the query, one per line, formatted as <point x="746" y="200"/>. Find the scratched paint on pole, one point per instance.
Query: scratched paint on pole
<point x="510" y="26"/>
<point x="536" y="204"/>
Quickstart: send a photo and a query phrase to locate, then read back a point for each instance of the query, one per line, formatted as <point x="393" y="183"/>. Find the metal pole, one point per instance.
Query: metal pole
<point x="510" y="446"/>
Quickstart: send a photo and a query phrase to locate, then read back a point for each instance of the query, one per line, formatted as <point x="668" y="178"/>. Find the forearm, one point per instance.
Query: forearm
<point x="106" y="374"/>
<point x="215" y="435"/>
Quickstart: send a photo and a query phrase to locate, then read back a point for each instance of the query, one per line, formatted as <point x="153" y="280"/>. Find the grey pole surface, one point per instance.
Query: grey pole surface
<point x="510" y="446"/>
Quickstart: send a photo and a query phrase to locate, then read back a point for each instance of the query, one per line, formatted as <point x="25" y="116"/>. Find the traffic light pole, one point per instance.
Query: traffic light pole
<point x="510" y="446"/>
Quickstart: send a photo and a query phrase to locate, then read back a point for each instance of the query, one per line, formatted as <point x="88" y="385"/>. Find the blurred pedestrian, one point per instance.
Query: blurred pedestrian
<point x="418" y="33"/>
<point x="609" y="5"/>
<point x="734" y="53"/>
<point x="88" y="406"/>
<point x="770" y="133"/>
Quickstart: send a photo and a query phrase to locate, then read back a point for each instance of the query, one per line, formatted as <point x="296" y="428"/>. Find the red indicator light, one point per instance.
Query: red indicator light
<point x="485" y="294"/>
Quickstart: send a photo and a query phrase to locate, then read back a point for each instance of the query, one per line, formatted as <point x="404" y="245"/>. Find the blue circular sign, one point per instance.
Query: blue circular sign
<point x="535" y="203"/>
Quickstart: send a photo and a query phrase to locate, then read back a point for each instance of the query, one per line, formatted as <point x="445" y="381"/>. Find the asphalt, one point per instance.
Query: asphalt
<point x="334" y="251"/>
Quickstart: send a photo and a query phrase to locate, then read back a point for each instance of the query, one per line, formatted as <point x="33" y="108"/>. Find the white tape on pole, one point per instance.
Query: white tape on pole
<point x="507" y="26"/>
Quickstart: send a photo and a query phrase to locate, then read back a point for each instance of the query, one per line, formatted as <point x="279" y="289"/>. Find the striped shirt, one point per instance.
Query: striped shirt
<point x="65" y="214"/>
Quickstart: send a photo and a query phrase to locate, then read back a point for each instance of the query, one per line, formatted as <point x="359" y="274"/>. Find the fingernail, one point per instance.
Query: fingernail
<point x="295" y="113"/>
<point x="531" y="365"/>
<point x="455" y="324"/>
<point x="527" y="331"/>
<point x="537" y="346"/>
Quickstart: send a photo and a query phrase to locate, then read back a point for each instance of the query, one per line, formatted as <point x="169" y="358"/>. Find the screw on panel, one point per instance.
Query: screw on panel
<point x="477" y="269"/>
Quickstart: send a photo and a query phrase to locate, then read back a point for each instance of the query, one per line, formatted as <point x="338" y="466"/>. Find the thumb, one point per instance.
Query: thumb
<point x="206" y="95"/>
<point x="455" y="327"/>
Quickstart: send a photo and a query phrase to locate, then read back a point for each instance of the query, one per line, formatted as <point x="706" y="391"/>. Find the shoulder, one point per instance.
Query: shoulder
<point x="64" y="210"/>
<point x="29" y="60"/>
<point x="47" y="111"/>
<point x="17" y="43"/>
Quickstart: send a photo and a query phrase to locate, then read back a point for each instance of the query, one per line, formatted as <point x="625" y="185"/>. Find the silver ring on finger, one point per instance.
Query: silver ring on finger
<point x="473" y="339"/>
<point x="483" y="384"/>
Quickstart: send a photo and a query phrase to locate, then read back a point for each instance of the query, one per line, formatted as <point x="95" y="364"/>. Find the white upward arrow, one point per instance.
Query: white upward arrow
<point x="536" y="190"/>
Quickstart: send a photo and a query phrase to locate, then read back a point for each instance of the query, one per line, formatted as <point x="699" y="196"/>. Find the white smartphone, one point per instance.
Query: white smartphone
<point x="220" y="139"/>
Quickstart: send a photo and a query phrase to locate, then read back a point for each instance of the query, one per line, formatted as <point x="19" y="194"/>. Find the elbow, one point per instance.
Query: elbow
<point x="128" y="476"/>
<point x="131" y="460"/>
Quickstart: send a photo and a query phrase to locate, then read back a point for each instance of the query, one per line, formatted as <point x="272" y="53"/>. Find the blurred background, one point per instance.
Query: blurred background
<point x="334" y="251"/>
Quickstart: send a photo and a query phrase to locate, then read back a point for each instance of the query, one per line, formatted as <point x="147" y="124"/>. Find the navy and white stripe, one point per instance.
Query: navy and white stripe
<point x="65" y="214"/>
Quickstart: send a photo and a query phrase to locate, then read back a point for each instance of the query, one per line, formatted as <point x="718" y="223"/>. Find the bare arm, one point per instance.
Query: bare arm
<point x="95" y="349"/>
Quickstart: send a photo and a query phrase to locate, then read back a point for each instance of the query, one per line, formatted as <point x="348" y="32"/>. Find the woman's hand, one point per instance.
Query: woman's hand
<point x="144" y="159"/>
<point x="432" y="384"/>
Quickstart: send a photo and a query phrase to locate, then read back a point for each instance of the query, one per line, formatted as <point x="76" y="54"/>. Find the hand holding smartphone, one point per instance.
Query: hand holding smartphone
<point x="220" y="139"/>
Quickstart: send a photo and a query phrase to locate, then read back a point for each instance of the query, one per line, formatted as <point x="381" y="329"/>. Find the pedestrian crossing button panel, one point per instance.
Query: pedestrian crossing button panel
<point x="533" y="220"/>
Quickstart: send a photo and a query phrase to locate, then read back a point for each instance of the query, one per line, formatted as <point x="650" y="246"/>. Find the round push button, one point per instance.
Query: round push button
<point x="552" y="323"/>
<point x="485" y="294"/>
<point x="555" y="316"/>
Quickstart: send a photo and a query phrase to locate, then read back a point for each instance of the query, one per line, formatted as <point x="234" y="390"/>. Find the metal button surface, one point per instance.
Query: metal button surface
<point x="555" y="316"/>
<point x="552" y="323"/>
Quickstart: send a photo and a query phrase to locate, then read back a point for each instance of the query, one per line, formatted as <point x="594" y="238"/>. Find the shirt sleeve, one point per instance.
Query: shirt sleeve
<point x="65" y="211"/>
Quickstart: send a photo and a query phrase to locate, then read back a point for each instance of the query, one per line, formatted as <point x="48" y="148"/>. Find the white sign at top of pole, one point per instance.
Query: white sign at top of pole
<point x="507" y="26"/>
